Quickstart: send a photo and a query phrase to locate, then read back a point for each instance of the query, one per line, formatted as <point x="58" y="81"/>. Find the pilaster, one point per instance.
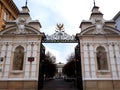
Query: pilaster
<point x="117" y="56"/>
<point x="112" y="61"/>
<point x="86" y="61"/>
<point x="92" y="60"/>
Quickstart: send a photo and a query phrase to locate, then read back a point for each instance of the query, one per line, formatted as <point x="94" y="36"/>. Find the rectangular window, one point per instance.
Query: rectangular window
<point x="5" y="16"/>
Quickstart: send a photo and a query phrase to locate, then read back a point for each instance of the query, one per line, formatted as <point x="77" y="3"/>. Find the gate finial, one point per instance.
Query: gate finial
<point x="26" y="2"/>
<point x="94" y="2"/>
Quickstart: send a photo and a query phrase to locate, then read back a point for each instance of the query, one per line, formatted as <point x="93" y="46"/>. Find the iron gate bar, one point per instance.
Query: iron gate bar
<point x="41" y="67"/>
<point x="61" y="37"/>
<point x="59" y="41"/>
<point x="78" y="66"/>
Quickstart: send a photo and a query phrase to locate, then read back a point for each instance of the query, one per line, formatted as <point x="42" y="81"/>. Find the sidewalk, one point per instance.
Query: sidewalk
<point x="58" y="84"/>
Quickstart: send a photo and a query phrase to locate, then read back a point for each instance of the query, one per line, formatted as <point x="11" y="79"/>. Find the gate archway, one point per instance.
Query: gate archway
<point x="60" y="36"/>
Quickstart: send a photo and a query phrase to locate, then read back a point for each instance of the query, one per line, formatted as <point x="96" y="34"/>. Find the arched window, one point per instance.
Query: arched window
<point x="18" y="58"/>
<point x="102" y="58"/>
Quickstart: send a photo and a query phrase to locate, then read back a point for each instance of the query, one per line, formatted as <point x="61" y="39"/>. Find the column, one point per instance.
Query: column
<point x="27" y="66"/>
<point x="112" y="61"/>
<point x="34" y="63"/>
<point x="3" y="51"/>
<point x="86" y="62"/>
<point x="92" y="61"/>
<point x="7" y="63"/>
<point x="117" y="55"/>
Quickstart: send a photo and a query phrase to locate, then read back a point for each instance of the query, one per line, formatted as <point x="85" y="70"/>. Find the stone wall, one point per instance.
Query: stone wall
<point x="18" y="85"/>
<point x="102" y="85"/>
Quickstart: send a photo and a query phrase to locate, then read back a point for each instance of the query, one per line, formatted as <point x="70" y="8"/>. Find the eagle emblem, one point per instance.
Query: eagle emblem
<point x="60" y="26"/>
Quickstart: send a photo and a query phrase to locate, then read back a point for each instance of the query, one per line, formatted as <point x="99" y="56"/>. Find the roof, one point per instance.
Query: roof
<point x="116" y="16"/>
<point x="10" y="4"/>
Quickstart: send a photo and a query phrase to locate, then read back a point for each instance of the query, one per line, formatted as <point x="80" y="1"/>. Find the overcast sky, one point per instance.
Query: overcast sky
<point x="69" y="12"/>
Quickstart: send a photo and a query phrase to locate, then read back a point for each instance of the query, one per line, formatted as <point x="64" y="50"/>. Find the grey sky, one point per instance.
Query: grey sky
<point x="69" y="12"/>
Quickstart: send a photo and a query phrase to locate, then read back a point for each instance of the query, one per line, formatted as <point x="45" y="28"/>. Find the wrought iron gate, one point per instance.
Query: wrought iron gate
<point x="41" y="67"/>
<point x="61" y="37"/>
<point x="78" y="68"/>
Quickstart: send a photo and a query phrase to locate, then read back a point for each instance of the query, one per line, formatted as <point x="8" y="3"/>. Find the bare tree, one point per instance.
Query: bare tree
<point x="49" y="65"/>
<point x="69" y="67"/>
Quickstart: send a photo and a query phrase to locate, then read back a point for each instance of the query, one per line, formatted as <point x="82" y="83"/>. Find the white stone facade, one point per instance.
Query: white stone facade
<point x="27" y="35"/>
<point x="94" y="35"/>
<point x="89" y="60"/>
<point x="7" y="52"/>
<point x="106" y="37"/>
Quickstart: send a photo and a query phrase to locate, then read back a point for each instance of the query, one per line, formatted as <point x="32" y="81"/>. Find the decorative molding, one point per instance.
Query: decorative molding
<point x="17" y="71"/>
<point x="19" y="42"/>
<point x="101" y="78"/>
<point x="21" y="25"/>
<point x="60" y="36"/>
<point x="99" y="26"/>
<point x="19" y="79"/>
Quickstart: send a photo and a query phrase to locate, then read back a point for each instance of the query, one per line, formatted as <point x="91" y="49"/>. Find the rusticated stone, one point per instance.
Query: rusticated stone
<point x="15" y="85"/>
<point x="3" y="85"/>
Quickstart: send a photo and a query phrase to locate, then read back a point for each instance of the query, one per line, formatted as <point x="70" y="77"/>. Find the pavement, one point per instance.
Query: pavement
<point x="58" y="84"/>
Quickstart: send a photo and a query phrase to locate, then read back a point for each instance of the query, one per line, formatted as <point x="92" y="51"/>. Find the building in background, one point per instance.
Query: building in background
<point x="116" y="18"/>
<point x="59" y="73"/>
<point x="8" y="11"/>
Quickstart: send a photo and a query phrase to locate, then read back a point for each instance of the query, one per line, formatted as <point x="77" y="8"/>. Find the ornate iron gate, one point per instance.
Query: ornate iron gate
<point x="78" y="68"/>
<point x="41" y="67"/>
<point x="61" y="37"/>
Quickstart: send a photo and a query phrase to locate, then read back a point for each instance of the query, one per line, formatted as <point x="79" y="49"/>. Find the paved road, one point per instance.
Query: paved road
<point x="58" y="84"/>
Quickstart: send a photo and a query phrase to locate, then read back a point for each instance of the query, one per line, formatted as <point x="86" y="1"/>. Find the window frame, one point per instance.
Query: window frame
<point x="102" y="70"/>
<point x="19" y="70"/>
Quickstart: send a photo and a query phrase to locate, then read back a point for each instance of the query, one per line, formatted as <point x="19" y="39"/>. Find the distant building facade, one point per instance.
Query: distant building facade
<point x="8" y="11"/>
<point x="116" y="18"/>
<point x="100" y="53"/>
<point x="59" y="73"/>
